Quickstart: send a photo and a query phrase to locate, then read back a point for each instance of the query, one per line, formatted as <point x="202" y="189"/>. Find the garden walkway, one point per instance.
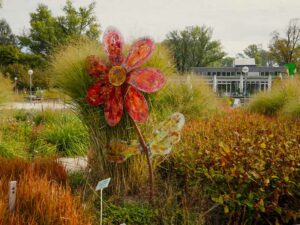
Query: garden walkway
<point x="74" y="164"/>
<point x="36" y="105"/>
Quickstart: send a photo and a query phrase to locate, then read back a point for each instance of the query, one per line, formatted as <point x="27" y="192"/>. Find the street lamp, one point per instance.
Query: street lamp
<point x="16" y="84"/>
<point x="30" y="72"/>
<point x="245" y="71"/>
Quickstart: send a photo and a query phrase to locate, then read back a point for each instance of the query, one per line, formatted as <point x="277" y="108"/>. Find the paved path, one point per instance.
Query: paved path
<point x="36" y="105"/>
<point x="74" y="164"/>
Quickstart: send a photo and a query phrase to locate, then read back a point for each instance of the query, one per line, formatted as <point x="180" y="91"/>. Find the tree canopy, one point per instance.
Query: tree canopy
<point x="6" y="35"/>
<point x="194" y="47"/>
<point x="286" y="49"/>
<point x="48" y="32"/>
<point x="261" y="56"/>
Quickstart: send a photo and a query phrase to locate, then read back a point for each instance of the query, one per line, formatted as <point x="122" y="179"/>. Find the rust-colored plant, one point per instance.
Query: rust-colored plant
<point x="248" y="164"/>
<point x="43" y="196"/>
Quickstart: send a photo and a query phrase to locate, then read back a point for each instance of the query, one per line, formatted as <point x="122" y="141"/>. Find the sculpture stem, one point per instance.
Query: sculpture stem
<point x="149" y="162"/>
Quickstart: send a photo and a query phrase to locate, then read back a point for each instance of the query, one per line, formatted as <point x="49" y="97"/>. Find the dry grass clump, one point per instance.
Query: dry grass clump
<point x="43" y="196"/>
<point x="15" y="169"/>
<point x="283" y="98"/>
<point x="6" y="89"/>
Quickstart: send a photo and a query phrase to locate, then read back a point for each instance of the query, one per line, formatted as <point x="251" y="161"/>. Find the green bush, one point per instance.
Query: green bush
<point x="45" y="117"/>
<point x="22" y="115"/>
<point x="44" y="133"/>
<point x="128" y="213"/>
<point x="12" y="149"/>
<point x="66" y="134"/>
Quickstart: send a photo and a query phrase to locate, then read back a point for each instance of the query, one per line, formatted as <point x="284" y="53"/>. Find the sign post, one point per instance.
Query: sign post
<point x="12" y="195"/>
<point x="100" y="186"/>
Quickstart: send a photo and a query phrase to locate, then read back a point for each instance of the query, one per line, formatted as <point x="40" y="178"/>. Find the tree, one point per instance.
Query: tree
<point x="48" y="32"/>
<point x="45" y="32"/>
<point x="261" y="56"/>
<point x="252" y="50"/>
<point x="81" y="22"/>
<point x="6" y="35"/>
<point x="286" y="49"/>
<point x="9" y="54"/>
<point x="227" y="61"/>
<point x="194" y="47"/>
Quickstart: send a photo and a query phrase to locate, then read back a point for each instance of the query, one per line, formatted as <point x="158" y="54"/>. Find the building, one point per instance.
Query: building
<point x="233" y="81"/>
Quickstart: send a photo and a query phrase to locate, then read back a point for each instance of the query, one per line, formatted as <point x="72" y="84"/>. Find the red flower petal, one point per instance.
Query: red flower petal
<point x="147" y="80"/>
<point x="113" y="45"/>
<point x="140" y="51"/>
<point x="136" y="105"/>
<point x="97" y="93"/>
<point x="113" y="110"/>
<point x="95" y="67"/>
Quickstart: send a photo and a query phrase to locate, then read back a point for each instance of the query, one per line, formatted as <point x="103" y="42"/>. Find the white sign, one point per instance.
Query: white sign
<point x="102" y="184"/>
<point x="245" y="69"/>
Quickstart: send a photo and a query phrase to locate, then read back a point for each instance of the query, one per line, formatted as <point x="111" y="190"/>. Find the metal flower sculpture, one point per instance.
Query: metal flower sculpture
<point x="122" y="81"/>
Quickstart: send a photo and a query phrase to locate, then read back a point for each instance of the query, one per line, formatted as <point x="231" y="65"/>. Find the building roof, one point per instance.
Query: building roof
<point x="244" y="62"/>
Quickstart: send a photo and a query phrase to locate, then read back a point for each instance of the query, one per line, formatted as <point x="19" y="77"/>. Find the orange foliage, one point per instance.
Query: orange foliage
<point x="42" y="195"/>
<point x="247" y="163"/>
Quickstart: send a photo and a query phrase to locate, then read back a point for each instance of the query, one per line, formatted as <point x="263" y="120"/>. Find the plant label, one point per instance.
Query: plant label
<point x="102" y="184"/>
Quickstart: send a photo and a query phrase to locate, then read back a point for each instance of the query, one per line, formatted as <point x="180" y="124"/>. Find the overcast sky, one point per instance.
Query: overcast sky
<point x="236" y="23"/>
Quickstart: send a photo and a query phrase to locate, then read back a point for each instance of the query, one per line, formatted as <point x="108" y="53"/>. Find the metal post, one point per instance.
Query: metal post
<point x="101" y="206"/>
<point x="30" y="84"/>
<point x="246" y="75"/>
<point x="16" y="85"/>
<point x="30" y="72"/>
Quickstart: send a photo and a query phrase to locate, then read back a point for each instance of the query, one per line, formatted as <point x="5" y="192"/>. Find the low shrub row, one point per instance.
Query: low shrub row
<point x="246" y="164"/>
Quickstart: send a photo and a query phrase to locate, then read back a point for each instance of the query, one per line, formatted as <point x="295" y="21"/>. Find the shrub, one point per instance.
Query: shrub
<point x="245" y="163"/>
<point x="283" y="93"/>
<point x="22" y="115"/>
<point x="67" y="135"/>
<point x="128" y="213"/>
<point x="46" y="117"/>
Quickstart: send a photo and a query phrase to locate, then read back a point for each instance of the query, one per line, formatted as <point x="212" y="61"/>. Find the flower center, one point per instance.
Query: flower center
<point x="117" y="75"/>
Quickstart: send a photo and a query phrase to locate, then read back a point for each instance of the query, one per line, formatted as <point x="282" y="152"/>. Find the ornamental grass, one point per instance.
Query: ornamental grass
<point x="43" y="196"/>
<point x="6" y="89"/>
<point x="284" y="98"/>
